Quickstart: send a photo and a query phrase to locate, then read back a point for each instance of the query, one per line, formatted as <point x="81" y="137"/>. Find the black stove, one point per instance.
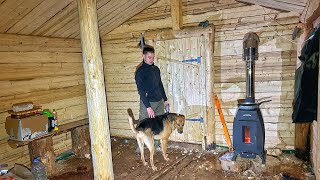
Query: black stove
<point x="248" y="126"/>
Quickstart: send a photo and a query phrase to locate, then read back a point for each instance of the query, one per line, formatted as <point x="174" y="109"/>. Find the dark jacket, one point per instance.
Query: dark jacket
<point x="149" y="84"/>
<point x="306" y="81"/>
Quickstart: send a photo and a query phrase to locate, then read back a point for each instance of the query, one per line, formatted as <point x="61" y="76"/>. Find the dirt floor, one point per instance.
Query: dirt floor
<point x="186" y="162"/>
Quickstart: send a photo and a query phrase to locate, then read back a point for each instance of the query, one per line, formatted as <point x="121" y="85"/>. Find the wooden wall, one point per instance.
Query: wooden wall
<point x="46" y="71"/>
<point x="274" y="69"/>
<point x="120" y="59"/>
<point x="274" y="77"/>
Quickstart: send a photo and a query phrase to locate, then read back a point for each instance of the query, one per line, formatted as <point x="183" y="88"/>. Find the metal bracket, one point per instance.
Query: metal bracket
<point x="196" y="119"/>
<point x="198" y="60"/>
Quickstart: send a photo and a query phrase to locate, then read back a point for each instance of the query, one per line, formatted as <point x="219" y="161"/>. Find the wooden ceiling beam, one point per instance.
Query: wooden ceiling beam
<point x="276" y="4"/>
<point x="176" y="14"/>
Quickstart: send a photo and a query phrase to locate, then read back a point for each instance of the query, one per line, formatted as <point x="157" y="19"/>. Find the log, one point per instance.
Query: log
<point x="81" y="142"/>
<point x="43" y="148"/>
<point x="302" y="139"/>
<point x="95" y="90"/>
<point x="317" y="167"/>
<point x="210" y="113"/>
<point x="176" y="14"/>
<point x="21" y="43"/>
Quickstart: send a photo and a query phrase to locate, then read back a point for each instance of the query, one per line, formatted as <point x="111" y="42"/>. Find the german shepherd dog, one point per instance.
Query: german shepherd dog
<point x="159" y="127"/>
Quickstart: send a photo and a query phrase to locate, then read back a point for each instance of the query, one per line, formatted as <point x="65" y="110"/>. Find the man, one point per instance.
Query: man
<point x="153" y="98"/>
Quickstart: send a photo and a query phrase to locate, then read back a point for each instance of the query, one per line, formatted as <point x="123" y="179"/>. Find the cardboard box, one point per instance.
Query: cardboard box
<point x="27" y="128"/>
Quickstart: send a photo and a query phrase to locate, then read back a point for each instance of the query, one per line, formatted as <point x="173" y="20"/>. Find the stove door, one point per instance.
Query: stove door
<point x="246" y="137"/>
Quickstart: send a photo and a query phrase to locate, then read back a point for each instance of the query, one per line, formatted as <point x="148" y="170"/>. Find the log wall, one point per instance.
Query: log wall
<point x="46" y="71"/>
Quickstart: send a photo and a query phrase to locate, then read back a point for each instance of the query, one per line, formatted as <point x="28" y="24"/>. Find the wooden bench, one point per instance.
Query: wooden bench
<point x="43" y="146"/>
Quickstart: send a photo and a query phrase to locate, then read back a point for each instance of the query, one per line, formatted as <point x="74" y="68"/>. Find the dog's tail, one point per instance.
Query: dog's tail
<point x="130" y="119"/>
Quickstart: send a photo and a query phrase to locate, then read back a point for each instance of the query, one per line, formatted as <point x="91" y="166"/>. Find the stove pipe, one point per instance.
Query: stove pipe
<point x="250" y="54"/>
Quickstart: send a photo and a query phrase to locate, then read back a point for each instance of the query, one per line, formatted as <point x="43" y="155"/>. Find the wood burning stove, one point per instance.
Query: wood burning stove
<point x="248" y="126"/>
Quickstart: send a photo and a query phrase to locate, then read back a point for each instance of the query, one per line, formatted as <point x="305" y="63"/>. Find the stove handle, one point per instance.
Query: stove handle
<point x="269" y="100"/>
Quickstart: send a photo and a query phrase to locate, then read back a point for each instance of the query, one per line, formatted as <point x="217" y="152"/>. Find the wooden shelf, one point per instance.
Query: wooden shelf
<point x="62" y="129"/>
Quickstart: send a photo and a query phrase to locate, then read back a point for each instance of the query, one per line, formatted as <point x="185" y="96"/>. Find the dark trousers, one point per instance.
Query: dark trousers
<point x="157" y="107"/>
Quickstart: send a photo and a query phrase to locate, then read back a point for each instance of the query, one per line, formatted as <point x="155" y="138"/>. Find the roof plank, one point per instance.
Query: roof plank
<point x="277" y="4"/>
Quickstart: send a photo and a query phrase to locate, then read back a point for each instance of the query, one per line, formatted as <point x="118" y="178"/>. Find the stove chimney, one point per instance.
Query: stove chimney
<point x="250" y="54"/>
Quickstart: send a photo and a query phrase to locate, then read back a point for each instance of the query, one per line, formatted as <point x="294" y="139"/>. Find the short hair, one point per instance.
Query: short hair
<point x="147" y="48"/>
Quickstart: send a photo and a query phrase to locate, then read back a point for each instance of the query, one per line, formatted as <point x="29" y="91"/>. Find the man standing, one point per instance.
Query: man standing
<point x="153" y="98"/>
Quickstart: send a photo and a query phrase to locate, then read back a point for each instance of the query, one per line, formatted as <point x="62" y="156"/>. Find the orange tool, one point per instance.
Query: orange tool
<point x="223" y="122"/>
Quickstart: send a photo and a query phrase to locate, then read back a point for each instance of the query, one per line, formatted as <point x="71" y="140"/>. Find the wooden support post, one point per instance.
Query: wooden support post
<point x="95" y="90"/>
<point x="176" y="14"/>
<point x="302" y="130"/>
<point x="317" y="166"/>
<point x="81" y="142"/>
<point x="302" y="140"/>
<point x="311" y="17"/>
<point x="43" y="148"/>
<point x="210" y="94"/>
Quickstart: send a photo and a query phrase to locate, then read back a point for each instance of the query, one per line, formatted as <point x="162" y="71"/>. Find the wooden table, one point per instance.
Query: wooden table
<point x="42" y="146"/>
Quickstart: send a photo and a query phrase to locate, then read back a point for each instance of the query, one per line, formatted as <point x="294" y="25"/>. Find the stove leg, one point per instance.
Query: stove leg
<point x="235" y="154"/>
<point x="263" y="158"/>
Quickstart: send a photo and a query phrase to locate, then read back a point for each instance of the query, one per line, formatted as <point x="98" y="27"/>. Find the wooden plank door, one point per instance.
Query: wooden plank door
<point x="183" y="70"/>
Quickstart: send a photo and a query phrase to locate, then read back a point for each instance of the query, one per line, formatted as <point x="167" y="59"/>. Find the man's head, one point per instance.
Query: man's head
<point x="148" y="54"/>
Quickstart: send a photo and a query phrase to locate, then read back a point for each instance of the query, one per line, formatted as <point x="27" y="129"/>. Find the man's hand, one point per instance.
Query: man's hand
<point x="150" y="112"/>
<point x="165" y="104"/>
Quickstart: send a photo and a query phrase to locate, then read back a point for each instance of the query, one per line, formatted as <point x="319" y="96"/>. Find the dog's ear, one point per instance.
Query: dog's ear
<point x="171" y="117"/>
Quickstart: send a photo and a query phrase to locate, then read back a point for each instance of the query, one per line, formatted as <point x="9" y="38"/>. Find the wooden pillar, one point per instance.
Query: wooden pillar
<point x="95" y="90"/>
<point x="210" y="94"/>
<point x="311" y="18"/>
<point x="43" y="148"/>
<point x="317" y="166"/>
<point x="302" y="140"/>
<point x="81" y="142"/>
<point x="302" y="130"/>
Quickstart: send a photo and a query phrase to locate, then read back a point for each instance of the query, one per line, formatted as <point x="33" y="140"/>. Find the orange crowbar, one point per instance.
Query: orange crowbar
<point x="223" y="122"/>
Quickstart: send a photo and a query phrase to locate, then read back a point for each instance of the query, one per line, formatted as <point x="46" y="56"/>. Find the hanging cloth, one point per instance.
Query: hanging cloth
<point x="306" y="81"/>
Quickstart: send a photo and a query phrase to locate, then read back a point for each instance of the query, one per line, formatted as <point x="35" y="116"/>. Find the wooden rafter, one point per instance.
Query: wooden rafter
<point x="176" y="14"/>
